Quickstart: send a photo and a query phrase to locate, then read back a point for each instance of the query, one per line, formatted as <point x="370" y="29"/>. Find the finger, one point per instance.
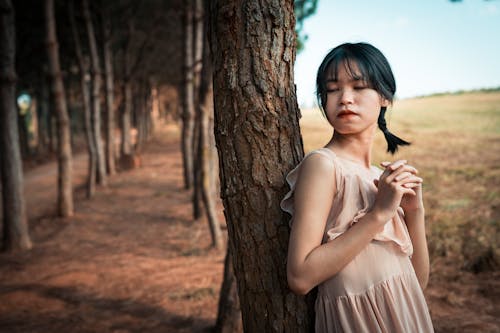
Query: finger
<point x="411" y="185"/>
<point x="414" y="170"/>
<point x="385" y="163"/>
<point x="395" y="165"/>
<point x="411" y="179"/>
<point x="402" y="175"/>
<point x="399" y="171"/>
<point x="390" y="169"/>
<point x="409" y="191"/>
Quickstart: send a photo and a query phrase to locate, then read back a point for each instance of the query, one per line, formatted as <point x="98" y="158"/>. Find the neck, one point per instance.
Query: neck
<point x="356" y="147"/>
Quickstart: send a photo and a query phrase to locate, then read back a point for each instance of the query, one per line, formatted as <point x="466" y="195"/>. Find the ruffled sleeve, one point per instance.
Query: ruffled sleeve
<point x="291" y="179"/>
<point x="394" y="230"/>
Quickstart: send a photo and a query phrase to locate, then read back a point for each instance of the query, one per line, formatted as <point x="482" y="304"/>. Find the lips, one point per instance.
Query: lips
<point x="347" y="113"/>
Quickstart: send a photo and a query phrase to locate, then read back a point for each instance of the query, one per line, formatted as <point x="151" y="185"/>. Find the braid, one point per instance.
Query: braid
<point x="392" y="141"/>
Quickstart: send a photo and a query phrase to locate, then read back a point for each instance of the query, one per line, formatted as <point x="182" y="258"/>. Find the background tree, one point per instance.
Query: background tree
<point x="83" y="65"/>
<point x="109" y="78"/>
<point x="96" y="74"/>
<point x="188" y="112"/>
<point x="303" y="9"/>
<point x="65" y="159"/>
<point x="258" y="138"/>
<point x="15" y="224"/>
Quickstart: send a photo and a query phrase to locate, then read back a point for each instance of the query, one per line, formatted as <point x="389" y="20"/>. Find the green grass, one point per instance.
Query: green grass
<point x="456" y="147"/>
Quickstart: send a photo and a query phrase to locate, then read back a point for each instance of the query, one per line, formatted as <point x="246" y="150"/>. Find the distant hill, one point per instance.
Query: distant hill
<point x="460" y="92"/>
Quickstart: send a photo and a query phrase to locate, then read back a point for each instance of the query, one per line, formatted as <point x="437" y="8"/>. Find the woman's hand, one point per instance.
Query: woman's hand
<point x="397" y="181"/>
<point x="411" y="203"/>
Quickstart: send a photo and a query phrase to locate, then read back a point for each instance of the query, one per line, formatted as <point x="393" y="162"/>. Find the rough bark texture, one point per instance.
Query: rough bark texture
<point x="15" y="224"/>
<point x="96" y="95"/>
<point x="188" y="112"/>
<point x="65" y="160"/>
<point x="229" y="313"/>
<point x="87" y="113"/>
<point x="109" y="86"/>
<point x="259" y="142"/>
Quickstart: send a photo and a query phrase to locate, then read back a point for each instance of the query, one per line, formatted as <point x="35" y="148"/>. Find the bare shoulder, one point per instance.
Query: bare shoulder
<point x="317" y="165"/>
<point x="317" y="174"/>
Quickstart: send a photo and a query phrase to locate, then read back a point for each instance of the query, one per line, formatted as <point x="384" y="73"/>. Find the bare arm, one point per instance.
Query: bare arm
<point x="309" y="261"/>
<point x="413" y="206"/>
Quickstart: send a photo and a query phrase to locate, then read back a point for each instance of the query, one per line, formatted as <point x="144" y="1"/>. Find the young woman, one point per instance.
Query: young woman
<point x="358" y="231"/>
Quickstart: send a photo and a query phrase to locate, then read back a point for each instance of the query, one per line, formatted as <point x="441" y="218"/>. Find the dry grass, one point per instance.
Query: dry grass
<point x="456" y="147"/>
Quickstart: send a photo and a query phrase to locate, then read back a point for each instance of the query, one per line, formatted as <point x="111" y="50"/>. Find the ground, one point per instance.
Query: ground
<point x="133" y="260"/>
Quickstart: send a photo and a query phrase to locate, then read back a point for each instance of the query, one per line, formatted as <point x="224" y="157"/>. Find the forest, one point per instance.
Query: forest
<point x="143" y="152"/>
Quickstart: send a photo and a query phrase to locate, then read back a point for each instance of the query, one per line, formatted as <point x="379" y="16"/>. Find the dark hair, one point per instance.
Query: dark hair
<point x="373" y="68"/>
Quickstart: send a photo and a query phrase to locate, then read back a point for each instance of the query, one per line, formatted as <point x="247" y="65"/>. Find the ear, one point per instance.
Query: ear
<point x="384" y="102"/>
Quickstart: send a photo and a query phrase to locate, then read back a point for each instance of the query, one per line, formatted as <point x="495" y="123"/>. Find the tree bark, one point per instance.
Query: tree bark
<point x="188" y="113"/>
<point x="109" y="86"/>
<point x="229" y="313"/>
<point x="87" y="117"/>
<point x="15" y="224"/>
<point x="65" y="160"/>
<point x="259" y="142"/>
<point x="96" y="95"/>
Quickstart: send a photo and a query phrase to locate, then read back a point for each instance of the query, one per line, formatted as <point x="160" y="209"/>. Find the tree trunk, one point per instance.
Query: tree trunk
<point x="259" y="142"/>
<point x="188" y="113"/>
<point x="109" y="86"/>
<point x="96" y="95"/>
<point x="65" y="160"/>
<point x="229" y="313"/>
<point x="126" y="117"/>
<point x="206" y="142"/>
<point x="44" y="115"/>
<point x="87" y="117"/>
<point x="198" y="38"/>
<point x="15" y="224"/>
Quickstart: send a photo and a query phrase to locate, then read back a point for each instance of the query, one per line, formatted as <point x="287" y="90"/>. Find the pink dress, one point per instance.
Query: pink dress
<point x="378" y="290"/>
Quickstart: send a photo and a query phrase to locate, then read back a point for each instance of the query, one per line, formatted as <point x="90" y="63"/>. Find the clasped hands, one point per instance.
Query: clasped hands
<point x="398" y="186"/>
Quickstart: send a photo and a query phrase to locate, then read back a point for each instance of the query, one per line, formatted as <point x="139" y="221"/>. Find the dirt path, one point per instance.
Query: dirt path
<point x="132" y="260"/>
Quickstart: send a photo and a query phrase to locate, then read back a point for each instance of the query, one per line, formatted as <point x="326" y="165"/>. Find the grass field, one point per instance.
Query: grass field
<point x="456" y="147"/>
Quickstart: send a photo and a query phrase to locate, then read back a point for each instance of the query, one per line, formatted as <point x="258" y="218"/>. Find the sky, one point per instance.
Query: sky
<point x="432" y="45"/>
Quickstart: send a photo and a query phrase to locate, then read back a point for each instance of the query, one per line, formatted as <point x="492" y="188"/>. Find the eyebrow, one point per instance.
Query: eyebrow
<point x="353" y="79"/>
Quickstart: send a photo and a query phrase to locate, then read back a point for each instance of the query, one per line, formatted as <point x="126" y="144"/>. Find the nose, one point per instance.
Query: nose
<point x="347" y="97"/>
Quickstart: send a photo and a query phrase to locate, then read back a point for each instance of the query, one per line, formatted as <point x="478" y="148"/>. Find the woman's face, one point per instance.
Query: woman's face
<point x="352" y="106"/>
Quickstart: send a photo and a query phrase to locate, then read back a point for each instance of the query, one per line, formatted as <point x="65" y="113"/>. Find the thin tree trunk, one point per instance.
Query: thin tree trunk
<point x="65" y="160"/>
<point x="85" y="88"/>
<point x="96" y="94"/>
<point x="205" y="110"/>
<point x="109" y="86"/>
<point x="229" y="313"/>
<point x="126" y="144"/>
<point x="206" y="169"/>
<point x="126" y="116"/>
<point x="198" y="38"/>
<point x="259" y="142"/>
<point x="15" y="224"/>
<point x="188" y="113"/>
<point x="44" y="115"/>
